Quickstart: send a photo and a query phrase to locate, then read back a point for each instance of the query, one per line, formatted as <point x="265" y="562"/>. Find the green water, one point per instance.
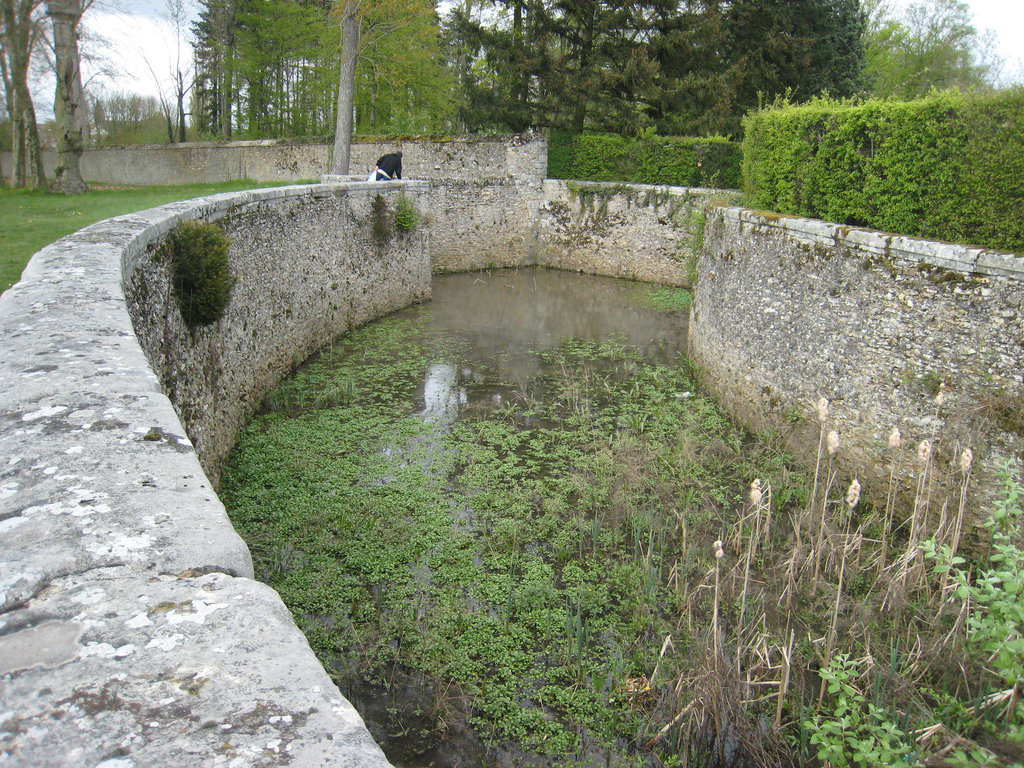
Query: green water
<point x="488" y="513"/>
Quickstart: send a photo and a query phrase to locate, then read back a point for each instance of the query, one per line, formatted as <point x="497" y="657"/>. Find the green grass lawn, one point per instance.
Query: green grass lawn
<point x="30" y="220"/>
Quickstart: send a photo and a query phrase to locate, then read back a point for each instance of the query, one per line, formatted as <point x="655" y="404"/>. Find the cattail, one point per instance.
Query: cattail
<point x="924" y="451"/>
<point x="719" y="552"/>
<point x="822" y="410"/>
<point x="755" y="492"/>
<point x="833" y="442"/>
<point x="966" y="459"/>
<point x="894" y="439"/>
<point x="853" y="494"/>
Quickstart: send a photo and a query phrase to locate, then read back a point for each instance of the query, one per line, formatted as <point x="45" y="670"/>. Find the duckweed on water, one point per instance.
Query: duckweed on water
<point x="534" y="582"/>
<point x="528" y="559"/>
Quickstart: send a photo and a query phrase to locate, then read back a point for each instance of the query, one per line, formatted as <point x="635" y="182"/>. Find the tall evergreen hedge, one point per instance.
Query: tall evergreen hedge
<point x="947" y="167"/>
<point x="679" y="162"/>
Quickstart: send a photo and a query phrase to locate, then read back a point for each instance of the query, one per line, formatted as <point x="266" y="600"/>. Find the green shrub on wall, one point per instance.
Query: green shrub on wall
<point x="681" y="162"/>
<point x="406" y="218"/>
<point x="200" y="276"/>
<point x="947" y="167"/>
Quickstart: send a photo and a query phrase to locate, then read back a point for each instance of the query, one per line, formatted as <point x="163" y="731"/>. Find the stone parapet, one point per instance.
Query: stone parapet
<point x="132" y="632"/>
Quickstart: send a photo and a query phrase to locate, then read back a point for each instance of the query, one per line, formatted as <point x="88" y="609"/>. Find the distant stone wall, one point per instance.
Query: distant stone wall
<point x="470" y="159"/>
<point x="634" y="231"/>
<point x="790" y="310"/>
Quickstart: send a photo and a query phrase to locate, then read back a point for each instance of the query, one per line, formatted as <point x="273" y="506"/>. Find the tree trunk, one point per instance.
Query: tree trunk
<point x="27" y="161"/>
<point x="346" y="88"/>
<point x="180" y="91"/>
<point x="67" y="106"/>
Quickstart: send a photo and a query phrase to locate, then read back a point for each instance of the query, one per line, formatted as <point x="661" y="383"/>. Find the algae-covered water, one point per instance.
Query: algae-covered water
<point x="491" y="514"/>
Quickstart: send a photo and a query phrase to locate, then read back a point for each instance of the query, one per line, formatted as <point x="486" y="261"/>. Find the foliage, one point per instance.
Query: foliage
<point x="406" y="218"/>
<point x="802" y="47"/>
<point x="932" y="45"/>
<point x="200" y="276"/>
<point x="995" y="592"/>
<point x="269" y="68"/>
<point x="670" y="299"/>
<point x="684" y="162"/>
<point x="127" y="118"/>
<point x="946" y="167"/>
<point x="629" y="67"/>
<point x="522" y="556"/>
<point x="856" y="732"/>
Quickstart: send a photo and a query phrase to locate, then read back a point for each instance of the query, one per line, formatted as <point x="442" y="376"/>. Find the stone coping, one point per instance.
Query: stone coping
<point x="132" y="632"/>
<point x="962" y="258"/>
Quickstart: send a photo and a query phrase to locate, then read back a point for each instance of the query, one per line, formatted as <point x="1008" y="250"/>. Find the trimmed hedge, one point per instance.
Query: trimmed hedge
<point x="947" y="167"/>
<point x="678" y="162"/>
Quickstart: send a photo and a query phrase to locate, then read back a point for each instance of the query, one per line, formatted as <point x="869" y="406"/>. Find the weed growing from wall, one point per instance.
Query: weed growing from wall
<point x="406" y="218"/>
<point x="201" y="279"/>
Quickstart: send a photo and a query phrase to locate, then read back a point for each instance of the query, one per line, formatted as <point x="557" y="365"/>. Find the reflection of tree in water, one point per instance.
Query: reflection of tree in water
<point x="442" y="395"/>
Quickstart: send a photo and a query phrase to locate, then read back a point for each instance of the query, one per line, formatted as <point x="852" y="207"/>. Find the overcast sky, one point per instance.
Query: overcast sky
<point x="141" y="44"/>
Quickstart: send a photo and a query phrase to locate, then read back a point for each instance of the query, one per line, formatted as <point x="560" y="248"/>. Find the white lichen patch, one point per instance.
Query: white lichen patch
<point x="102" y="650"/>
<point x="140" y="621"/>
<point x="165" y="642"/>
<point x="90" y="596"/>
<point x="122" y="547"/>
<point x="44" y="413"/>
<point x="195" y="613"/>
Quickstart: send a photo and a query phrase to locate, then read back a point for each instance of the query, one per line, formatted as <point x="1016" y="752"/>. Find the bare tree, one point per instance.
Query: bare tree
<point x="21" y="31"/>
<point x="68" y="105"/>
<point x="173" y="104"/>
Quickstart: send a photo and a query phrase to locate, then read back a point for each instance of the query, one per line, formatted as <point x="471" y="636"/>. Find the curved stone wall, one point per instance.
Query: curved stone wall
<point x="790" y="310"/>
<point x="131" y="631"/>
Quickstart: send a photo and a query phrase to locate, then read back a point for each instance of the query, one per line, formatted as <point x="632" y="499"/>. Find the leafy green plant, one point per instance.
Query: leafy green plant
<point x="670" y="299"/>
<point x="996" y="593"/>
<point x="406" y="218"/>
<point x="200" y="275"/>
<point x="856" y="733"/>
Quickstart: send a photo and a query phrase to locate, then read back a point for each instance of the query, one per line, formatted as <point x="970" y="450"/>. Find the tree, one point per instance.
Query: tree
<point x="127" y="117"/>
<point x="367" y="27"/>
<point x="68" y="101"/>
<point x="401" y="81"/>
<point x="215" y="91"/>
<point x="21" y="22"/>
<point x="933" y="45"/>
<point x="805" y="47"/>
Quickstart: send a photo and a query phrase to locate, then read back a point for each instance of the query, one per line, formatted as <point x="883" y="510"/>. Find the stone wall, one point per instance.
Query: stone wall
<point x="131" y="630"/>
<point x="791" y="310"/>
<point x="634" y="231"/>
<point x="638" y="231"/>
<point x="308" y="268"/>
<point x="468" y="159"/>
